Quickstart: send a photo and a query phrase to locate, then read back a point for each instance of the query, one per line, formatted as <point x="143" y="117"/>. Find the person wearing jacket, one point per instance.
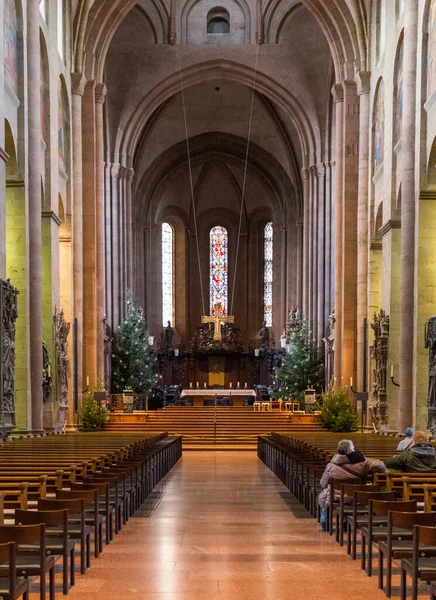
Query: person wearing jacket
<point x="348" y="463"/>
<point x="420" y="458"/>
<point x="408" y="441"/>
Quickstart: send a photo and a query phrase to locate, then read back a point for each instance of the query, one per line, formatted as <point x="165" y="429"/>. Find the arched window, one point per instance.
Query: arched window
<point x="218" y="20"/>
<point x="379" y="126"/>
<point x="218" y="268"/>
<point x="267" y="273"/>
<point x="167" y="274"/>
<point x="60" y="28"/>
<point x="11" y="44"/>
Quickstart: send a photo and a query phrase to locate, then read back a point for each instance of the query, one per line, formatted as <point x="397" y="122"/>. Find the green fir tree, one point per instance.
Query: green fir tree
<point x="302" y="367"/>
<point x="336" y="411"/>
<point x="133" y="365"/>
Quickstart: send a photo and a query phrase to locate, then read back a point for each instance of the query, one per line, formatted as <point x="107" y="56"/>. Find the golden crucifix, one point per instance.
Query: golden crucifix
<point x="218" y="319"/>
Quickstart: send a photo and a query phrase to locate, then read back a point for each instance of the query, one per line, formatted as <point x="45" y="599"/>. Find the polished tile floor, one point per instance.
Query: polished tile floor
<point x="222" y="531"/>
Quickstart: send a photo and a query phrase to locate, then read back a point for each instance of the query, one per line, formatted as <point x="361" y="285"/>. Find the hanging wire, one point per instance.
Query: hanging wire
<point x="190" y="178"/>
<point x="245" y="176"/>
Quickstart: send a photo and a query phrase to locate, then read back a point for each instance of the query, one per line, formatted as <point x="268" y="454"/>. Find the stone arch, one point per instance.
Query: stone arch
<point x="96" y="24"/>
<point x="378" y="222"/>
<point x="128" y="139"/>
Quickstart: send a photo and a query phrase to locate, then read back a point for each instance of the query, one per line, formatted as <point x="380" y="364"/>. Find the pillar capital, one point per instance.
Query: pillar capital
<point x="320" y="170"/>
<point x="305" y="173"/>
<point x="78" y="83"/>
<point x="130" y="173"/>
<point x="100" y="93"/>
<point x="337" y="92"/>
<point x="363" y="82"/>
<point x="115" y="169"/>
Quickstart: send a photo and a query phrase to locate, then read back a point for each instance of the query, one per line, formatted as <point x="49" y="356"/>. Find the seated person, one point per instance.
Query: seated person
<point x="408" y="441"/>
<point x="420" y="458"/>
<point x="348" y="463"/>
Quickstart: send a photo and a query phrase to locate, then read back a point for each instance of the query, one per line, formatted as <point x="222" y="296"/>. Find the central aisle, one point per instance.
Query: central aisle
<point x="222" y="531"/>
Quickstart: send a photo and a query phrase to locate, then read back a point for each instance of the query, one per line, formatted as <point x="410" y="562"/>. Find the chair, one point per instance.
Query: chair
<point x="335" y="489"/>
<point x="342" y="510"/>
<point x="31" y="563"/>
<point x="398" y="543"/>
<point x="58" y="546"/>
<point x="257" y="406"/>
<point x="359" y="518"/>
<point x="77" y="531"/>
<point x="422" y="564"/>
<point x="117" y="493"/>
<point x="11" y="586"/>
<point x="377" y="515"/>
<point x="104" y="505"/>
<point x="92" y="515"/>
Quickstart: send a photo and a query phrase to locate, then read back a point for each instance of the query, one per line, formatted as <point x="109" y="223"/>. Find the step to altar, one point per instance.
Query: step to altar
<point x="228" y="428"/>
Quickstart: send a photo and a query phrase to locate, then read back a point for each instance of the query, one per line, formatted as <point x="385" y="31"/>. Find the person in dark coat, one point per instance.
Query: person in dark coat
<point x="420" y="458"/>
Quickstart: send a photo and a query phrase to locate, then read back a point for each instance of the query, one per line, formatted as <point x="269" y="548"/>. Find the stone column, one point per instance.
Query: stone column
<point x="115" y="247"/>
<point x="321" y="254"/>
<point x="172" y="36"/>
<point x="4" y="157"/>
<point x="34" y="199"/>
<point x="408" y="200"/>
<point x="349" y="230"/>
<point x="338" y="99"/>
<point x="259" y="23"/>
<point x="314" y="253"/>
<point x="306" y="240"/>
<point x="89" y="233"/>
<point x="129" y="228"/>
<point x="78" y="83"/>
<point x="108" y="243"/>
<point x="328" y="244"/>
<point x="363" y="87"/>
<point x="100" y="95"/>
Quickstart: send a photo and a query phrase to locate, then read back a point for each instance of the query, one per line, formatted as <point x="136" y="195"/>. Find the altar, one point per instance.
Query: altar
<point x="200" y="397"/>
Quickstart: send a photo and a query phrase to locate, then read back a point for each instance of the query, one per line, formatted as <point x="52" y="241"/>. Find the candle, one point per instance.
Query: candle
<point x="230" y="385"/>
<point x="392" y="371"/>
<point x="351" y="382"/>
<point x="205" y="384"/>
<point x="190" y="385"/>
<point x="87" y="382"/>
<point x="237" y="385"/>
<point x="245" y="384"/>
<point x="197" y="384"/>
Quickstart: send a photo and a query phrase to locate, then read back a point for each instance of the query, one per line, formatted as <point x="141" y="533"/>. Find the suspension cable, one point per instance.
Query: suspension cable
<point x="188" y="151"/>
<point x="245" y="177"/>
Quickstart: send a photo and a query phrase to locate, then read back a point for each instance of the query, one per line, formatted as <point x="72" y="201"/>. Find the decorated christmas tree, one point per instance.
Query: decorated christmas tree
<point x="133" y="366"/>
<point x="302" y="366"/>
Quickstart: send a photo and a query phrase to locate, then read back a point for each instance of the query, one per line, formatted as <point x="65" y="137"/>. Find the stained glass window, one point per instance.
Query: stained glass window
<point x="167" y="274"/>
<point x="218" y="268"/>
<point x="60" y="27"/>
<point x="267" y="273"/>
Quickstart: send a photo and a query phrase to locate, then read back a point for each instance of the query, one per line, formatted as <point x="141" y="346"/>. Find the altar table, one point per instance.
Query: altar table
<point x="199" y="394"/>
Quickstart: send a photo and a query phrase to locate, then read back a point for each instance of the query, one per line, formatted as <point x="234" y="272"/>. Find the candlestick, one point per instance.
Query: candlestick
<point x="351" y="382"/>
<point x="392" y="371"/>
<point x="87" y="382"/>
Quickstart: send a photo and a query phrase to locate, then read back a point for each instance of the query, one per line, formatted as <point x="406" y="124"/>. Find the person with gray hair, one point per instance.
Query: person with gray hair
<point x="408" y="441"/>
<point x="348" y="463"/>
